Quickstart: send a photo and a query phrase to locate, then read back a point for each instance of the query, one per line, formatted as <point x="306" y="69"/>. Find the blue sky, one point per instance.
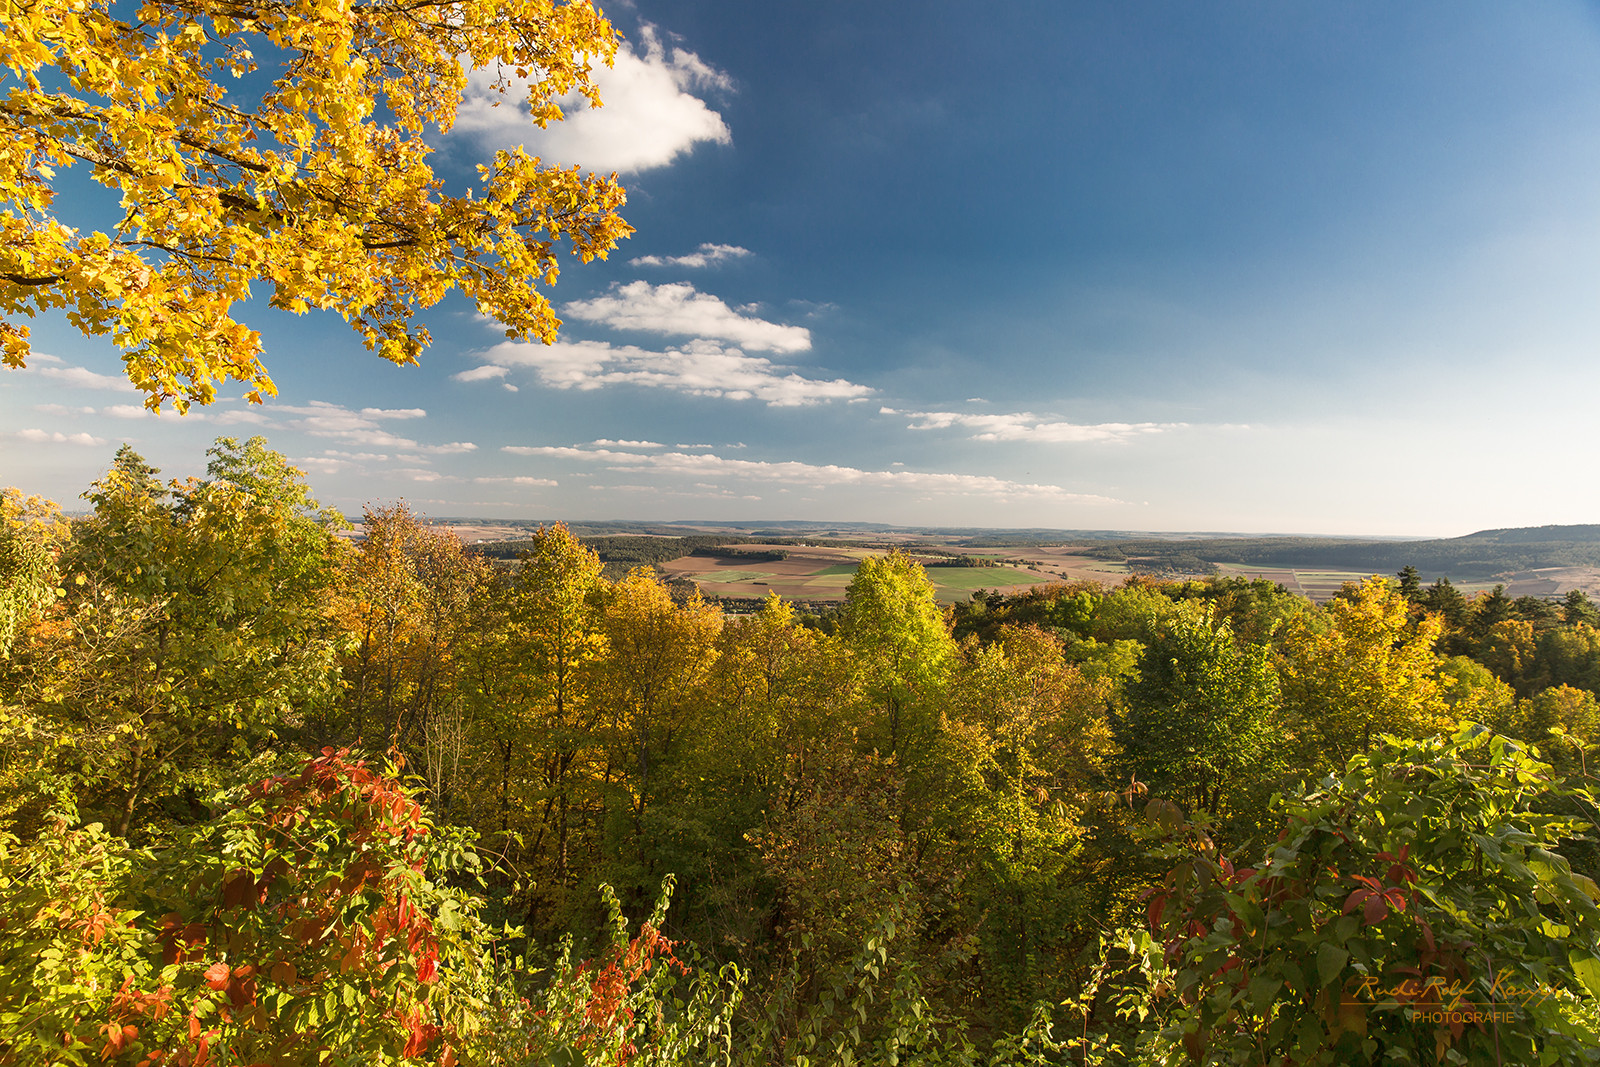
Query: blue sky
<point x="1258" y="267"/>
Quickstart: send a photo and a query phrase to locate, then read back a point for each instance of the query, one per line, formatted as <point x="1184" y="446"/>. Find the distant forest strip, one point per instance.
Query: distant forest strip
<point x="642" y="550"/>
<point x="1476" y="556"/>
<point x="627" y="549"/>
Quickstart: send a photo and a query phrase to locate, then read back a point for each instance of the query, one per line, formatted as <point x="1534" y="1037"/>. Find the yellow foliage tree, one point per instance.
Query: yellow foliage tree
<point x="315" y="182"/>
<point x="1365" y="672"/>
<point x="549" y="720"/>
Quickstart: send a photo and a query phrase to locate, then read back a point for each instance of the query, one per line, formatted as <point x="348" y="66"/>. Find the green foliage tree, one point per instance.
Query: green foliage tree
<point x="1410" y="584"/>
<point x="1576" y="607"/>
<point x="194" y="629"/>
<point x="892" y="624"/>
<point x="1568" y="656"/>
<point x="1201" y="725"/>
<point x="1445" y="600"/>
<point x="1474" y="694"/>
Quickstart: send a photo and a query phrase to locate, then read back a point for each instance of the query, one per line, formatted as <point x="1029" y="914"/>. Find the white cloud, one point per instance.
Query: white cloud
<point x="322" y="464"/>
<point x="675" y="308"/>
<point x="322" y="419"/>
<point x="126" y="411"/>
<point x="62" y="409"/>
<point x="232" y="418"/>
<point x="607" y="443"/>
<point x="418" y="474"/>
<point x="708" y="255"/>
<point x="554" y="450"/>
<point x="700" y="368"/>
<point x="708" y="468"/>
<point x="58" y="438"/>
<point x="479" y="374"/>
<point x="520" y="479"/>
<point x="651" y="112"/>
<point x="1025" y="426"/>
<point x="83" y="378"/>
<point x="356" y="456"/>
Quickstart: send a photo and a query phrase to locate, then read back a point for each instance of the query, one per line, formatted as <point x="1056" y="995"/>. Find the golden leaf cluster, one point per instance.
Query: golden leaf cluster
<point x="281" y="142"/>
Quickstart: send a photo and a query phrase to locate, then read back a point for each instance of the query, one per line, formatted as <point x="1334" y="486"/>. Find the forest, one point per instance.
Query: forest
<point x="270" y="795"/>
<point x="1474" y="557"/>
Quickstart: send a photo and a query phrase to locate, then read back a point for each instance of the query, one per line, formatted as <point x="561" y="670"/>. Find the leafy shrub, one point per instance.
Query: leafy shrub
<point x="311" y="924"/>
<point x="1413" y="910"/>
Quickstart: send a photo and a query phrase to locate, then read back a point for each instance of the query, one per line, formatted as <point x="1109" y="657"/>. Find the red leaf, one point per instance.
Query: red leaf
<point x="1375" y="910"/>
<point x="217" y="976"/>
<point x="238" y="889"/>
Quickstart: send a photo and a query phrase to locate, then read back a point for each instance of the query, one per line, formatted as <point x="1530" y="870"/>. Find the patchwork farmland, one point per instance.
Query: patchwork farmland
<point x="824" y="572"/>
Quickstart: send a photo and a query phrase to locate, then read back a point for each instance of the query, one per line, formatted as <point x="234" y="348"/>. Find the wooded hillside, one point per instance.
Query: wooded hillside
<point x="268" y="796"/>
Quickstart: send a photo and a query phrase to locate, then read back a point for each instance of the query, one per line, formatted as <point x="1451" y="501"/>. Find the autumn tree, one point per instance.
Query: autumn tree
<point x="309" y="177"/>
<point x="995" y="799"/>
<point x="658" y="655"/>
<point x="1360" y="670"/>
<point x="541" y="738"/>
<point x="404" y="596"/>
<point x="31" y="534"/>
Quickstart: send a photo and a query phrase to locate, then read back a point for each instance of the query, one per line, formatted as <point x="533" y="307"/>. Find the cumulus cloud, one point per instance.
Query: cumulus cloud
<point x="56" y="437"/>
<point x="700" y="368"/>
<point x="322" y="464"/>
<point x="322" y="419"/>
<point x="652" y="112"/>
<point x="80" y="377"/>
<point x="608" y="443"/>
<point x="520" y="479"/>
<point x="480" y="374"/>
<point x="714" y="469"/>
<point x="232" y="418"/>
<point x="708" y="255"/>
<point x="562" y="451"/>
<point x="677" y="309"/>
<point x="1025" y="426"/>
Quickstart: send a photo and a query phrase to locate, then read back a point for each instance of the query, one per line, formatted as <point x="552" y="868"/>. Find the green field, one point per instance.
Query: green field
<point x="967" y="579"/>
<point x="734" y="576"/>
<point x="837" y="568"/>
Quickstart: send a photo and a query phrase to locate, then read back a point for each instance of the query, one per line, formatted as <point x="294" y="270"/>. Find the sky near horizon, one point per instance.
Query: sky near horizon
<point x="1254" y="267"/>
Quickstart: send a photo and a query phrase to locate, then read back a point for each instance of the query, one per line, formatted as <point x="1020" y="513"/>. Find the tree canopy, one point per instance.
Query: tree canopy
<point x="280" y="144"/>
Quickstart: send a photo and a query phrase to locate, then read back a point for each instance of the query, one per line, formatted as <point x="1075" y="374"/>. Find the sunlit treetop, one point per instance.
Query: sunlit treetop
<point x="281" y="143"/>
